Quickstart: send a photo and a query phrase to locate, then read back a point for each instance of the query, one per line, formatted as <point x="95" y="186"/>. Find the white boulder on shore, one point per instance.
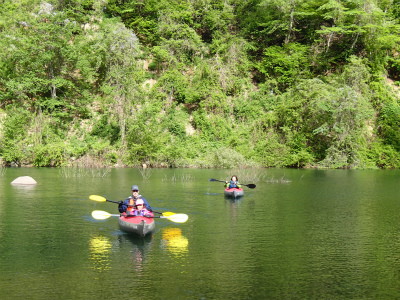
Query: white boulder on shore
<point x="24" y="180"/>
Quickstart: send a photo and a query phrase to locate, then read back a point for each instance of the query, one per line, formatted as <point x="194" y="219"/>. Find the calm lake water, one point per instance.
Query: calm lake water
<point x="300" y="234"/>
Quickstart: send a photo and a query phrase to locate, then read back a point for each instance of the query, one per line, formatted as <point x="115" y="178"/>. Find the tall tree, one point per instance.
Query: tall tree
<point x="42" y="65"/>
<point x="117" y="48"/>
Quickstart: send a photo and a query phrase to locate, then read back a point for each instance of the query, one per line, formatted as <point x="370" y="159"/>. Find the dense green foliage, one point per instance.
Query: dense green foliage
<point x="202" y="83"/>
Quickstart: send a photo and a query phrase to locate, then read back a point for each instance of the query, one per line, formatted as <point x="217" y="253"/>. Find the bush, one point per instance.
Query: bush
<point x="51" y="155"/>
<point x="228" y="158"/>
<point x="384" y="156"/>
<point x="152" y="66"/>
<point x="12" y="144"/>
<point x="106" y="128"/>
<point x="389" y="122"/>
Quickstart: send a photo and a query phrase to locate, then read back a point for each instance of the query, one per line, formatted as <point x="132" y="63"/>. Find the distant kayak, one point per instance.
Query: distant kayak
<point x="234" y="192"/>
<point x="137" y="224"/>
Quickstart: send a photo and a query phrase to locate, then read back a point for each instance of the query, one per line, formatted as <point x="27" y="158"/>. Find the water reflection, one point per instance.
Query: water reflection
<point x="174" y="241"/>
<point x="141" y="248"/>
<point x="24" y="187"/>
<point x="100" y="248"/>
<point x="234" y="204"/>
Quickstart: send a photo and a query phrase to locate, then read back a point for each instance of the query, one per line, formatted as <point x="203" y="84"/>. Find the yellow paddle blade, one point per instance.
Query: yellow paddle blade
<point x="178" y="218"/>
<point x="97" y="198"/>
<point x="168" y="213"/>
<point x="100" y="215"/>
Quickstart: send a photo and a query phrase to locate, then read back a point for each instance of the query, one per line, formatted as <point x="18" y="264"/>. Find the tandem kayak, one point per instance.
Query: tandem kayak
<point x="136" y="224"/>
<point x="234" y="192"/>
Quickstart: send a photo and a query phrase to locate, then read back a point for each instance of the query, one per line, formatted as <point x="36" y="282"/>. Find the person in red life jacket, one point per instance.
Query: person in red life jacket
<point x="129" y="204"/>
<point x="234" y="183"/>
<point x="140" y="209"/>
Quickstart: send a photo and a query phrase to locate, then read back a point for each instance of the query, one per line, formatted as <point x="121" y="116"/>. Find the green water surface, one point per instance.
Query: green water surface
<point x="300" y="234"/>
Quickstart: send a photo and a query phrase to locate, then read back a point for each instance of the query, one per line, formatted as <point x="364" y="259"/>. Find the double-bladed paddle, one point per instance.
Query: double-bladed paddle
<point x="102" y="199"/>
<point x="177" y="218"/>
<point x="252" y="186"/>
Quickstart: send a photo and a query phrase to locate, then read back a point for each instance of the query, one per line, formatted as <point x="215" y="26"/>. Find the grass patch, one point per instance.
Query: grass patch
<point x="77" y="172"/>
<point x="181" y="178"/>
<point x="146" y="172"/>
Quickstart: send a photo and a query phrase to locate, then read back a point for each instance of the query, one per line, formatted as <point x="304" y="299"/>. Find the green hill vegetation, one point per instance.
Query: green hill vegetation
<point x="200" y="83"/>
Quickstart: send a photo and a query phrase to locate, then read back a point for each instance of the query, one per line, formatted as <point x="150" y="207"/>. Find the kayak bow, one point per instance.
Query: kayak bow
<point x="136" y="224"/>
<point x="234" y="192"/>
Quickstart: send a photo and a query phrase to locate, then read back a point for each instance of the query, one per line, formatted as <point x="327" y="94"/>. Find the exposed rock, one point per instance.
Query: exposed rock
<point x="24" y="180"/>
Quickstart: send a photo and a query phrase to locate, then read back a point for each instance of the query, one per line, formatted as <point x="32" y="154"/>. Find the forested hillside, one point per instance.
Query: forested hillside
<point x="200" y="83"/>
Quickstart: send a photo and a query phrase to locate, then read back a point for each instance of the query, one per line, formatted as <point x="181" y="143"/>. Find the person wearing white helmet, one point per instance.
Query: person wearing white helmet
<point x="129" y="204"/>
<point x="140" y="209"/>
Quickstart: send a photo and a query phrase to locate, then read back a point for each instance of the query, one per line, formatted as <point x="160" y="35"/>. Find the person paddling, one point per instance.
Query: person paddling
<point x="234" y="183"/>
<point x="129" y="204"/>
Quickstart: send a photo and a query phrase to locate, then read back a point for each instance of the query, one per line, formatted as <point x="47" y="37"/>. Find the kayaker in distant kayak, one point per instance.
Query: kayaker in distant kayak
<point x="129" y="204"/>
<point x="234" y="183"/>
<point x="140" y="209"/>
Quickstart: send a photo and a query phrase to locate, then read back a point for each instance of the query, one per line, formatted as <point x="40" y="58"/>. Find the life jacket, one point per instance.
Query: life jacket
<point x="233" y="184"/>
<point x="132" y="203"/>
<point x="143" y="212"/>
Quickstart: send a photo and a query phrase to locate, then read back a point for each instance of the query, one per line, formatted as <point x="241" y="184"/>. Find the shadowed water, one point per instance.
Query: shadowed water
<point x="300" y="234"/>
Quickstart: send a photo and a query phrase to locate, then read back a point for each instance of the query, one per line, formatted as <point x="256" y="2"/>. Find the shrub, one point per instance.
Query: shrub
<point x="227" y="158"/>
<point x="50" y="155"/>
<point x="384" y="156"/>
<point x="12" y="144"/>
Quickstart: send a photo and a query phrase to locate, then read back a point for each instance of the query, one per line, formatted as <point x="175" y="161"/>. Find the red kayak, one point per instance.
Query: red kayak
<point x="234" y="192"/>
<point x="136" y="224"/>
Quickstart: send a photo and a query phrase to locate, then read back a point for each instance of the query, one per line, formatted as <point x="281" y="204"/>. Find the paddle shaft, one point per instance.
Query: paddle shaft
<point x="131" y="216"/>
<point x="102" y="215"/>
<point x="217" y="180"/>
<point x="133" y="205"/>
<point x="178" y="218"/>
<point x="252" y="186"/>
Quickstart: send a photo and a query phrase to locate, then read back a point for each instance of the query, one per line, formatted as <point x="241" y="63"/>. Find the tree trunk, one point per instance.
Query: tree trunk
<point x="287" y="39"/>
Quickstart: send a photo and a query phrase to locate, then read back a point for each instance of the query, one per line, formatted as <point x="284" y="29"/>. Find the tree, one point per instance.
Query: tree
<point x="285" y="65"/>
<point x="347" y="114"/>
<point x="42" y="65"/>
<point x="118" y="50"/>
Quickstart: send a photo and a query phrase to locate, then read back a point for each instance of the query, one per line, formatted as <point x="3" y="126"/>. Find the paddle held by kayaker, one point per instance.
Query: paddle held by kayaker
<point x="234" y="183"/>
<point x="129" y="204"/>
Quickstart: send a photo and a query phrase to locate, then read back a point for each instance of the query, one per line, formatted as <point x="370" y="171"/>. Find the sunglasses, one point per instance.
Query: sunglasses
<point x="139" y="204"/>
<point x="135" y="191"/>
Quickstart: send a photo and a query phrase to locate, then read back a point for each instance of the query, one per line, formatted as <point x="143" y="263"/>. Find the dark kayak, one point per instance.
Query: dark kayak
<point x="137" y="225"/>
<point x="234" y="192"/>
